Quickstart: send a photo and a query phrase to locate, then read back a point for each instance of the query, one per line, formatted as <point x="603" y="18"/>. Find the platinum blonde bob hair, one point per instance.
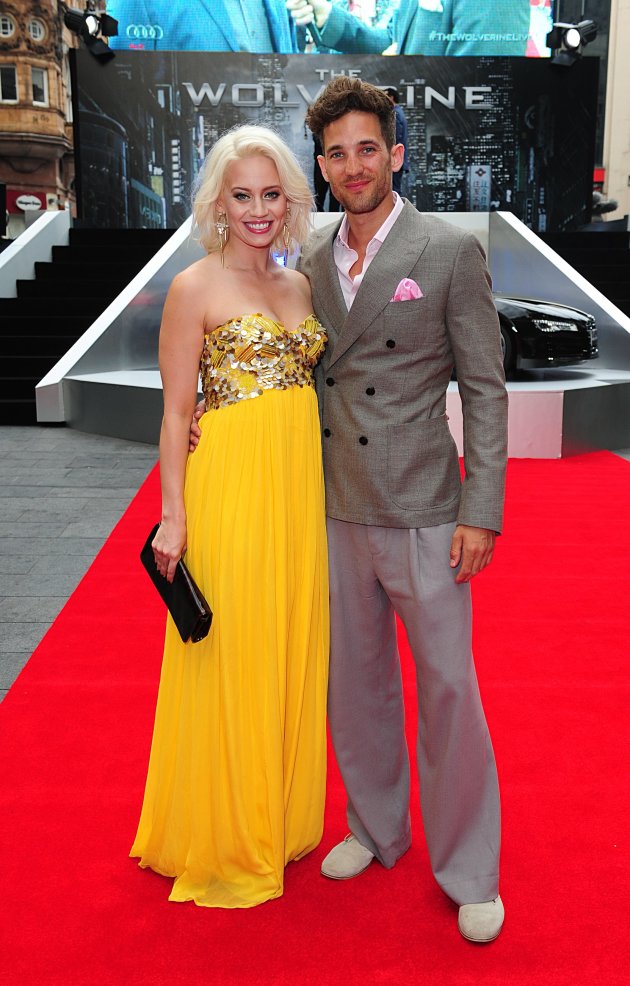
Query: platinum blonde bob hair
<point x="242" y="142"/>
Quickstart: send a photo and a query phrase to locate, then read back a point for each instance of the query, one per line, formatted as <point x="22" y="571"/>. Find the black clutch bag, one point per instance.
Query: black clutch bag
<point x="185" y="602"/>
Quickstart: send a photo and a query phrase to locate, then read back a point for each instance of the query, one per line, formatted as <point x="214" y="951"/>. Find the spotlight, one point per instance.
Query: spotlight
<point x="74" y="20"/>
<point x="568" y="40"/>
<point x="88" y="25"/>
<point x="109" y="26"/>
<point x="92" y="25"/>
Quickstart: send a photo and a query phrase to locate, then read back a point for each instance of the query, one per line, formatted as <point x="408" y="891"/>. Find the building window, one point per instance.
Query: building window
<point x="8" y="84"/>
<point x="7" y="26"/>
<point x="40" y="86"/>
<point x="36" y="29"/>
<point x="67" y="89"/>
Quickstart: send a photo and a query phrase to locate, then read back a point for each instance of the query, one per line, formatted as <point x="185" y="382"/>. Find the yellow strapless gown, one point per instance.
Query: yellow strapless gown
<point x="236" y="779"/>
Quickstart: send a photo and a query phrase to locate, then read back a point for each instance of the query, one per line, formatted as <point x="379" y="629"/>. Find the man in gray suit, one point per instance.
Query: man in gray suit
<point x="405" y="298"/>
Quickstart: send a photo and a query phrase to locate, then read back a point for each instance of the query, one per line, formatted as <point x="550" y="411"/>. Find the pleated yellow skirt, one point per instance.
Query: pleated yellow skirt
<point x="236" y="778"/>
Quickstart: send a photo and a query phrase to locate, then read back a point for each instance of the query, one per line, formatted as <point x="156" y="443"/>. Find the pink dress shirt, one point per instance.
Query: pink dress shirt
<point x="345" y="256"/>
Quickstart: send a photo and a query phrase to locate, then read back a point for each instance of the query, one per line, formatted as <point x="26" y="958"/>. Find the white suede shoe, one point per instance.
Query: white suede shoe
<point x="481" y="922"/>
<point x="346" y="860"/>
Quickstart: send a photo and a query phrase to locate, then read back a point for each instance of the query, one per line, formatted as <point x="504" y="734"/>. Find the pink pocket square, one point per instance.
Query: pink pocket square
<point x="407" y="290"/>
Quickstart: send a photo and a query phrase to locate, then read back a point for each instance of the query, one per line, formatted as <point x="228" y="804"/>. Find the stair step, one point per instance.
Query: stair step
<point x="88" y="270"/>
<point x="53" y="310"/>
<point x="18" y="411"/>
<point x="603" y="263"/>
<point x="595" y="272"/>
<point x="609" y="288"/>
<point x="619" y="300"/>
<point x="137" y="255"/>
<point x="48" y="347"/>
<point x="20" y="388"/>
<point x="26" y="367"/>
<point x="614" y="296"/>
<point x="98" y="236"/>
<point x="56" y="307"/>
<point x="612" y="289"/>
<point x="45" y="327"/>
<point x="559" y="241"/>
<point x="600" y="257"/>
<point x="71" y="289"/>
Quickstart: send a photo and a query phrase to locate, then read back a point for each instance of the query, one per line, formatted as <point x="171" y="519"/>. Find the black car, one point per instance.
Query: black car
<point x="542" y="333"/>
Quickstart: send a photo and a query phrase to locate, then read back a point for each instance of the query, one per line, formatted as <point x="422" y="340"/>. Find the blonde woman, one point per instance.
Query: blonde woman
<point x="236" y="779"/>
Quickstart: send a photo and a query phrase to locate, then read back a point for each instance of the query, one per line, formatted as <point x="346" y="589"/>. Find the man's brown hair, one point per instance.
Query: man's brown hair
<point x="345" y="94"/>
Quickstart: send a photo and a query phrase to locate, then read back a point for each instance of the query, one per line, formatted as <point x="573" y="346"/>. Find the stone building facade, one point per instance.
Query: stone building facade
<point x="36" y="155"/>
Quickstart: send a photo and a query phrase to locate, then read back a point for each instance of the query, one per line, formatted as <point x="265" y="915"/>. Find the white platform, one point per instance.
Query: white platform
<point x="108" y="383"/>
<point x="552" y="413"/>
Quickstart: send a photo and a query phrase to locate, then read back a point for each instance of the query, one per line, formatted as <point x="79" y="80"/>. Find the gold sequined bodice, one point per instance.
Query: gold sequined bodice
<point x="253" y="353"/>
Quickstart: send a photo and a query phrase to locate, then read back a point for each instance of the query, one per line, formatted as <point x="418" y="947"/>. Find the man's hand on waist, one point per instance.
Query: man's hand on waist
<point x="195" y="430"/>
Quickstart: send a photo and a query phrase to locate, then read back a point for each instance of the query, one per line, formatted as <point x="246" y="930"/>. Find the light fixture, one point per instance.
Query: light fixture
<point x="88" y="24"/>
<point x="568" y="40"/>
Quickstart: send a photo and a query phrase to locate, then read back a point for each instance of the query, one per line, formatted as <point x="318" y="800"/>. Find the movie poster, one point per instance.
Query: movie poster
<point x="484" y="133"/>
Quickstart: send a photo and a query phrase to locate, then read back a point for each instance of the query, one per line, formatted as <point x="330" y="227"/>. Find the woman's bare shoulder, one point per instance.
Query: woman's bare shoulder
<point x="192" y="292"/>
<point x="295" y="275"/>
<point x="298" y="281"/>
<point x="197" y="274"/>
<point x="196" y="285"/>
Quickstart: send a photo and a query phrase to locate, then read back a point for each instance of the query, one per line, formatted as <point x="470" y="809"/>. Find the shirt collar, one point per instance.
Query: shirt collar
<point x="381" y="233"/>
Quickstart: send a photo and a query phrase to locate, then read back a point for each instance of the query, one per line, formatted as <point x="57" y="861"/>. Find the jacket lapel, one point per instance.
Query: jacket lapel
<point x="402" y="24"/>
<point x="330" y="306"/>
<point x="217" y="13"/>
<point x="281" y="27"/>
<point x="396" y="258"/>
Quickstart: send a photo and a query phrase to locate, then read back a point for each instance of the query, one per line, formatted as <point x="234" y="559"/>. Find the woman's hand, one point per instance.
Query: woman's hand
<point x="169" y="544"/>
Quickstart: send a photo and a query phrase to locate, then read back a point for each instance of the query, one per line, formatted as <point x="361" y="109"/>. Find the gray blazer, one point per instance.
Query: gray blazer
<point x="389" y="457"/>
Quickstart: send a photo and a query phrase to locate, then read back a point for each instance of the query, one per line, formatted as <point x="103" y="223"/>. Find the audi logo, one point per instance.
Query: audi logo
<point x="152" y="31"/>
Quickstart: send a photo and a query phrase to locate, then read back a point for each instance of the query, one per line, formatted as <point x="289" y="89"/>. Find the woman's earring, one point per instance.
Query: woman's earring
<point x="223" y="231"/>
<point x="286" y="238"/>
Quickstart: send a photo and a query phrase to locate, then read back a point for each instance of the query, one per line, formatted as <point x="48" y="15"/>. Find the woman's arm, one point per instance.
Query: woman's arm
<point x="181" y="342"/>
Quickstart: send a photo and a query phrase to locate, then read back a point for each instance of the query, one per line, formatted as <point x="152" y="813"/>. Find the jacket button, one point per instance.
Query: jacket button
<point x="390" y="343"/>
<point x="327" y="432"/>
<point x="370" y="391"/>
<point x="330" y="381"/>
<point x="363" y="440"/>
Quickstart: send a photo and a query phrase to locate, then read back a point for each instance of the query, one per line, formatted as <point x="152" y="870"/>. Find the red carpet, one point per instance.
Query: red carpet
<point x="552" y="634"/>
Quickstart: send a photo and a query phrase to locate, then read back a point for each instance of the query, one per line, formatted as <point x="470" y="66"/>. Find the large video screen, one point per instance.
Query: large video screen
<point x="391" y="27"/>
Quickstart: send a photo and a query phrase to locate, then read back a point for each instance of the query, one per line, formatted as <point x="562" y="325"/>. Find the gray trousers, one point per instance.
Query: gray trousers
<point x="376" y="572"/>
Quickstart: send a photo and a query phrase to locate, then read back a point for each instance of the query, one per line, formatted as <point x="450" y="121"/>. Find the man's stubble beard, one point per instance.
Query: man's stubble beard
<point x="369" y="201"/>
